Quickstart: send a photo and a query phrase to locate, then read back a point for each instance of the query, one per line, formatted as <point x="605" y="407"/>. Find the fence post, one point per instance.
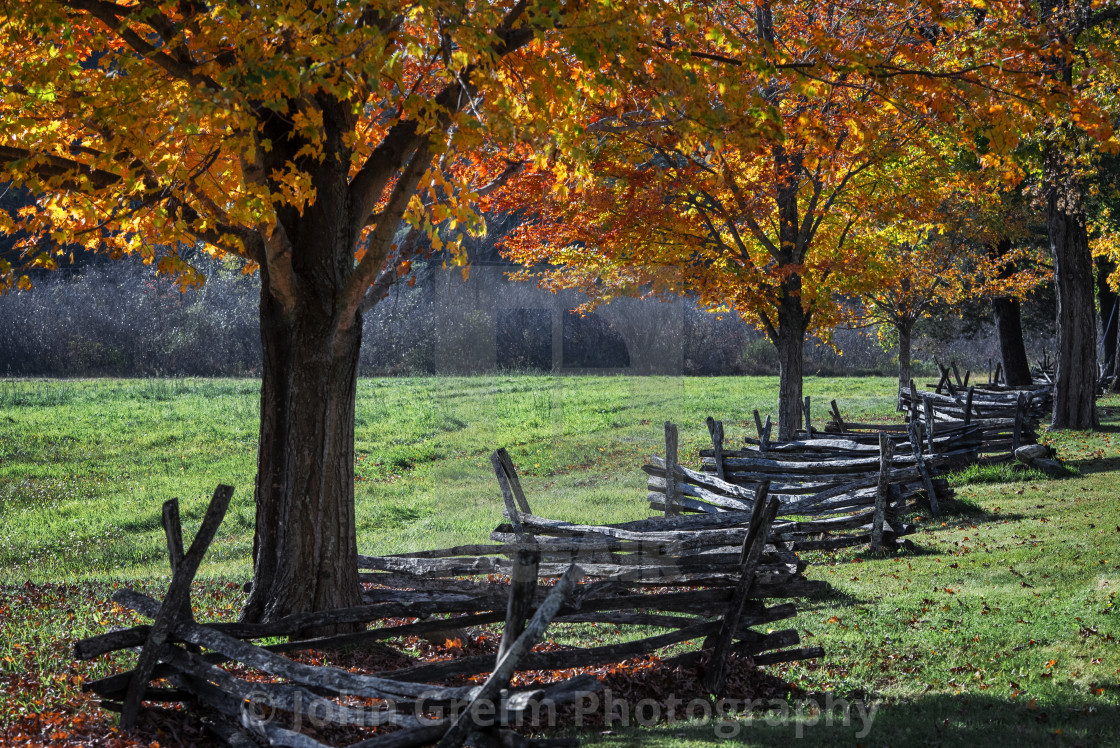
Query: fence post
<point x="882" y="491"/>
<point x="671" y="505"/>
<point x="715" y="428"/>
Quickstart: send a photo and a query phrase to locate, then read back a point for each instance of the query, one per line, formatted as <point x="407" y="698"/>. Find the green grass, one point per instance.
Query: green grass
<point x="1004" y="472"/>
<point x="86" y="464"/>
<point x="999" y="627"/>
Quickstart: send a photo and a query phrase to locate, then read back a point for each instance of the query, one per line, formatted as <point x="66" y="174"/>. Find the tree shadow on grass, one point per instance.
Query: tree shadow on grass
<point x="1102" y="465"/>
<point x="966" y="720"/>
<point x="828" y="596"/>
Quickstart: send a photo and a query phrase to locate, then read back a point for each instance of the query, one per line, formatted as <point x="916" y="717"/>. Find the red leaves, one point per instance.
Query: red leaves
<point x="41" y="703"/>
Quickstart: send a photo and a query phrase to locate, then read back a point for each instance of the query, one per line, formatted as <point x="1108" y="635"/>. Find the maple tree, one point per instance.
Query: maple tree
<point x="752" y="192"/>
<point x="976" y="243"/>
<point x="1079" y="62"/>
<point x="934" y="272"/>
<point x="312" y="140"/>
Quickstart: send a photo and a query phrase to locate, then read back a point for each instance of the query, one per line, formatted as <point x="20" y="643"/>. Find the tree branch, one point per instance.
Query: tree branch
<point x="379" y="246"/>
<point x="115" y="18"/>
<point x="49" y="166"/>
<point x="404" y="138"/>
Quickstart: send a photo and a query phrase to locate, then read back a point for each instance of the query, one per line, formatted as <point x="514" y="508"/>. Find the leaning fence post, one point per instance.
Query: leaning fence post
<point x="1017" y="434"/>
<point x="758" y="423"/>
<point x="836" y="417"/>
<point x="882" y="492"/>
<point x="968" y="406"/>
<point x="927" y="480"/>
<point x="507" y="665"/>
<point x="764" y="440"/>
<point x="762" y="515"/>
<point x="178" y="597"/>
<point x="715" y="429"/>
<point x="514" y="499"/>
<point x="671" y="504"/>
<point x="927" y="406"/>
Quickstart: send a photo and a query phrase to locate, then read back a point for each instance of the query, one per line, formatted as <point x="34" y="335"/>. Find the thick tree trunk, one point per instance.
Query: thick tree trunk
<point x="305" y="555"/>
<point x="305" y="548"/>
<point x="792" y="322"/>
<point x="1008" y="317"/>
<point x="1075" y="380"/>
<point x="905" y="335"/>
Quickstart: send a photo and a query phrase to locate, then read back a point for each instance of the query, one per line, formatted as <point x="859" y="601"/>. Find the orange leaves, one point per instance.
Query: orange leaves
<point x="211" y="144"/>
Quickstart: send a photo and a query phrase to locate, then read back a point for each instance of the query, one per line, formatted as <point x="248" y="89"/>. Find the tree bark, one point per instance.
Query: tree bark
<point x="305" y="555"/>
<point x="792" y="323"/>
<point x="1109" y="304"/>
<point x="1075" y="379"/>
<point x="905" y="335"/>
<point x="1008" y="317"/>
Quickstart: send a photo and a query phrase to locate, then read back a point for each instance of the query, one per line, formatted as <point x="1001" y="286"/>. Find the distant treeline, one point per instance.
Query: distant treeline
<point x="121" y="319"/>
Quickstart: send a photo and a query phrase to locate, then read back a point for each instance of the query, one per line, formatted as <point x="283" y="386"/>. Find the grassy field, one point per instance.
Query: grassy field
<point x="1000" y="627"/>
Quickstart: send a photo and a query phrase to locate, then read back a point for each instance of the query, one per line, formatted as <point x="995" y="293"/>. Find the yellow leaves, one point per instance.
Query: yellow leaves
<point x="295" y="187"/>
<point x="44" y="261"/>
<point x="24" y="283"/>
<point x="855" y="130"/>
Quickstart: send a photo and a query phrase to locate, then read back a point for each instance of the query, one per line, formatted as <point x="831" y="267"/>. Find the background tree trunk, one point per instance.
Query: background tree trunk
<point x="1109" y="304"/>
<point x="792" y="323"/>
<point x="1075" y="379"/>
<point x="905" y="335"/>
<point x="1008" y="317"/>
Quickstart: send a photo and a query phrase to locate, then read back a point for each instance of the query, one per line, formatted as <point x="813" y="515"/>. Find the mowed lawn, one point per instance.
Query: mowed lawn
<point x="1000" y="626"/>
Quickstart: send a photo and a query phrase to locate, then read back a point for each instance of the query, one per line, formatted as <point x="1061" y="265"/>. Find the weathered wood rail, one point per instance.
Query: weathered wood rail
<point x="832" y="485"/>
<point x="1006" y="418"/>
<point x="698" y="578"/>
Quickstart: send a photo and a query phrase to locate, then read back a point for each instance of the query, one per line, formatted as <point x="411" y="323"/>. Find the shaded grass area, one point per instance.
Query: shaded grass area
<point x="1000" y="626"/>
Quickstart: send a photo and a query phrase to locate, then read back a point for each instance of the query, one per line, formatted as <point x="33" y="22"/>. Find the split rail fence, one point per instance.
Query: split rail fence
<point x="702" y="579"/>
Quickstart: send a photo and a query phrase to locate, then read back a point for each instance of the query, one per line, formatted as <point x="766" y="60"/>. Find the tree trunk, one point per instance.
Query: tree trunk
<point x="1109" y="304"/>
<point x="1114" y="372"/>
<point x="905" y="334"/>
<point x="305" y="555"/>
<point x="792" y="322"/>
<point x="305" y="548"/>
<point x="1008" y="316"/>
<point x="1075" y="379"/>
